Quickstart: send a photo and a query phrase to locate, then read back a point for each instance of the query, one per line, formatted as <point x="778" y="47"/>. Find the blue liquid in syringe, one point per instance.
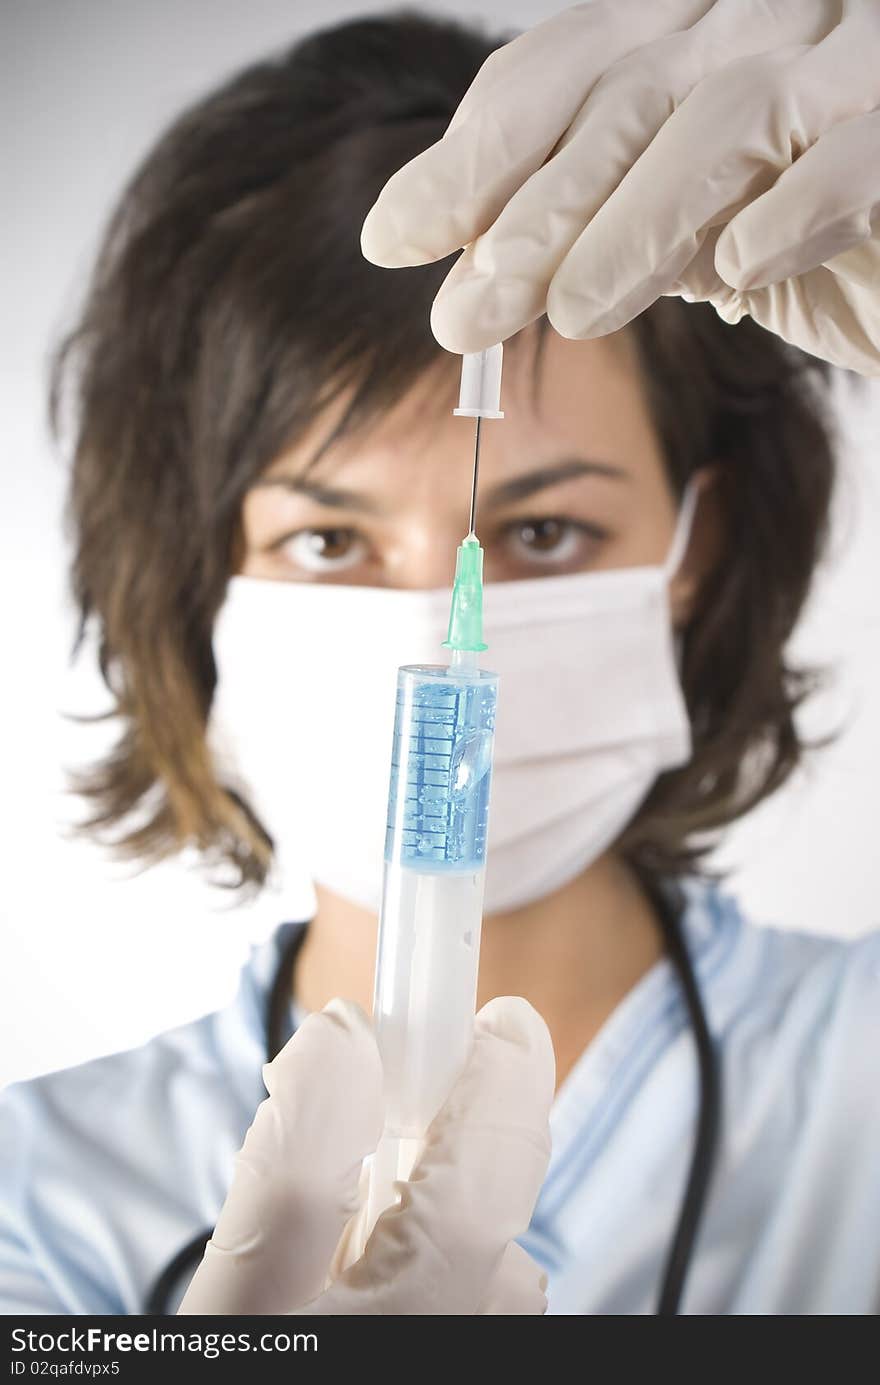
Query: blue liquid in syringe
<point x="438" y="802"/>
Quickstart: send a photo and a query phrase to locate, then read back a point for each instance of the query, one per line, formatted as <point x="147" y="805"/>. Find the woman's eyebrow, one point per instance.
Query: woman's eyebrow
<point x="566" y="470"/>
<point x="333" y="497"/>
<point x="502" y="494"/>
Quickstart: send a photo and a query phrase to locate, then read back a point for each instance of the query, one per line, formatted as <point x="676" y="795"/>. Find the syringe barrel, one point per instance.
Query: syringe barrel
<point x="441" y="768"/>
<point x="432" y="901"/>
<point x="429" y="949"/>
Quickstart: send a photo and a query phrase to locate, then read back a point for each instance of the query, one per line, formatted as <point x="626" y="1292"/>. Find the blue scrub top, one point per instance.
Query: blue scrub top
<point x="107" y="1169"/>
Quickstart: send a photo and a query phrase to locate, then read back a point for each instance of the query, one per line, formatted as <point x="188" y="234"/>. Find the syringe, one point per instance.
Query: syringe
<point x="435" y="853"/>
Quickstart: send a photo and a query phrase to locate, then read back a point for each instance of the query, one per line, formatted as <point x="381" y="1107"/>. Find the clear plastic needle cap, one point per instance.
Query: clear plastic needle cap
<point x="480" y="393"/>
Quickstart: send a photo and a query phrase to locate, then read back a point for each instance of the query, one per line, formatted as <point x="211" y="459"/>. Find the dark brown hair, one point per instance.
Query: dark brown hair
<point x="230" y="303"/>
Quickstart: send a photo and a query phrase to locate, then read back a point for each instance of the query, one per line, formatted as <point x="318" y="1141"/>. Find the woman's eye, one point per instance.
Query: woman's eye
<point x="324" y="550"/>
<point x="552" y="540"/>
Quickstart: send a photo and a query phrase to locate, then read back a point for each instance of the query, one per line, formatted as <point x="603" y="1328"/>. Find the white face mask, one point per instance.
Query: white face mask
<point x="590" y="712"/>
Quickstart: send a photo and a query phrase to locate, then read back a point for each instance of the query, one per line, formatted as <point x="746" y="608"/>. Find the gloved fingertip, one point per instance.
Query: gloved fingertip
<point x="513" y="1018"/>
<point x="573" y="315"/>
<point x="579" y="304"/>
<point x="385" y="252"/>
<point x="377" y="237"/>
<point x="767" y="242"/>
<point x="347" y="1013"/>
<point x="457" y="323"/>
<point x="730" y="265"/>
<point x="350" y="1022"/>
<point x="385" y="244"/>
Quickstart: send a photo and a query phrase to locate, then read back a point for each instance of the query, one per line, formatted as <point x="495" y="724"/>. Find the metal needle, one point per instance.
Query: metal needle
<point x="471" y="529"/>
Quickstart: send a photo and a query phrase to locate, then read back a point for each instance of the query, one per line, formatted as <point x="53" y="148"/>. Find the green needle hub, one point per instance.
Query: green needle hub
<point x="466" y="615"/>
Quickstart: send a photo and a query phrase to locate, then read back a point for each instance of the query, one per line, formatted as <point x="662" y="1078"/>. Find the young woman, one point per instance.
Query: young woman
<point x="266" y="448"/>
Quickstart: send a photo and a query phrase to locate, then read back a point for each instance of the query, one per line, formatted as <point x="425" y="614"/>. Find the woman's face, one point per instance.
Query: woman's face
<point x="571" y="480"/>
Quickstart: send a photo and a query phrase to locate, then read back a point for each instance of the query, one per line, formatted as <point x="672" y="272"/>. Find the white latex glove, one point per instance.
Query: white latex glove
<point x="625" y="149"/>
<point x="449" y="1246"/>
